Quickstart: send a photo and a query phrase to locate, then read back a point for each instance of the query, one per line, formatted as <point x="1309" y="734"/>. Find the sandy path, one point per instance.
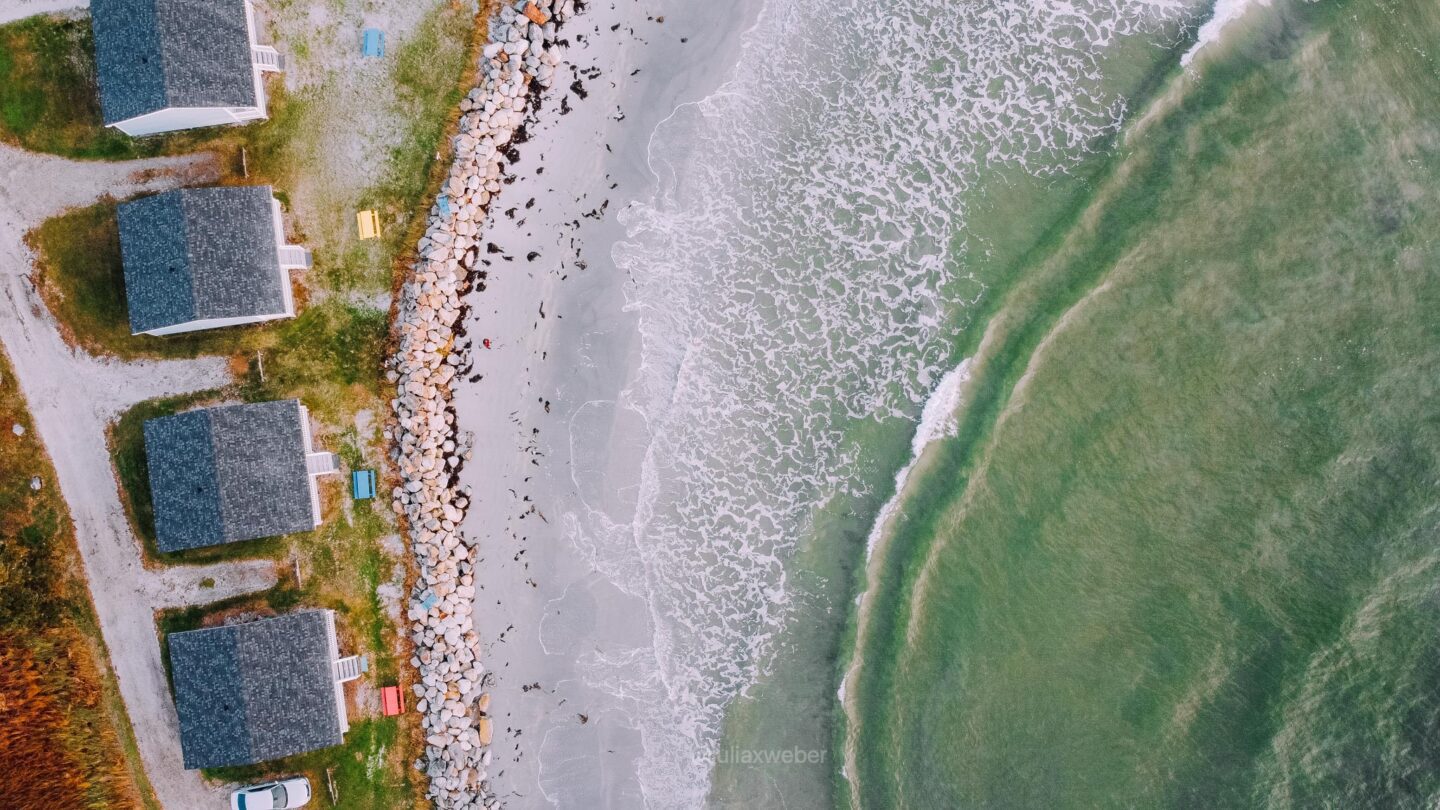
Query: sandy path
<point x="72" y="397"/>
<point x="11" y="10"/>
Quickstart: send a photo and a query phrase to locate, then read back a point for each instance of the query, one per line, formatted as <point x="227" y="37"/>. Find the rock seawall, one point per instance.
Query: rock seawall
<point x="432" y="351"/>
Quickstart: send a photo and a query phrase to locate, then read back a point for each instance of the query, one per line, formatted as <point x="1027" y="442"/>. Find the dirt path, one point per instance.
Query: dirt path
<point x="72" y="397"/>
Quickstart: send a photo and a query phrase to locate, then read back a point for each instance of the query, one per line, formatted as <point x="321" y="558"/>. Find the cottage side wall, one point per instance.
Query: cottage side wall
<point x="341" y="712"/>
<point x="287" y="282"/>
<point x="216" y="323"/>
<point x="173" y="118"/>
<point x="287" y="287"/>
<point x="262" y="104"/>
<point x="314" y="485"/>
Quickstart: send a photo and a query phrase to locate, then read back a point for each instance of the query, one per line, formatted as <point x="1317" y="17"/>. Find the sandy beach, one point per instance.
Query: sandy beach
<point x="723" y="281"/>
<point x="540" y="398"/>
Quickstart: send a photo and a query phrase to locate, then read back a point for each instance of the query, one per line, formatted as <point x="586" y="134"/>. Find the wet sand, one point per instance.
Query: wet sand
<point x="540" y="400"/>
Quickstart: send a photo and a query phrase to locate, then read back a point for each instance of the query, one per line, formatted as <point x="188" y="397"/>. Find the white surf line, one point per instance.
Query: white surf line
<point x="1225" y="12"/>
<point x="938" y="420"/>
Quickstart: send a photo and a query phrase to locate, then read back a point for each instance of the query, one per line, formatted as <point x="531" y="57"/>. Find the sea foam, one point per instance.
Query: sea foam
<point x="1225" y="12"/>
<point x="799" y="269"/>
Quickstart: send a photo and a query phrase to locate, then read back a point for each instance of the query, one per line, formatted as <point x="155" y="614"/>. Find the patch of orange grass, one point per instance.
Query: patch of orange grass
<point x="239" y="364"/>
<point x="52" y="728"/>
<point x="60" y="714"/>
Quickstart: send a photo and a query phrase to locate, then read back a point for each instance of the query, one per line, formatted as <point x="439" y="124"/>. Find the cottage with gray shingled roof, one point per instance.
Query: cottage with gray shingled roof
<point x="261" y="690"/>
<point x="165" y="65"/>
<point x="204" y="258"/>
<point x="233" y="473"/>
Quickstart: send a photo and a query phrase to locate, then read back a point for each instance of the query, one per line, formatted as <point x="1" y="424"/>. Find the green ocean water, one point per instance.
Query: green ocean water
<point x="794" y="707"/>
<point x="1185" y="548"/>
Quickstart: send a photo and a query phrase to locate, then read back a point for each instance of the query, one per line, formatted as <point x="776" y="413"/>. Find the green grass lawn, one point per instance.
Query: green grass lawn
<point x="330" y="355"/>
<point x="83" y="281"/>
<point x="49" y="100"/>
<point x="429" y="110"/>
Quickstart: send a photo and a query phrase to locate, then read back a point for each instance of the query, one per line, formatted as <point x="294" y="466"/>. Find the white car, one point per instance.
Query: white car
<point x="283" y="795"/>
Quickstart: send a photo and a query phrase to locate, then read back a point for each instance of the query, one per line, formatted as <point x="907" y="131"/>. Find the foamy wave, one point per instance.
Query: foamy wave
<point x="937" y="421"/>
<point x="1226" y="12"/>
<point x="798" y="269"/>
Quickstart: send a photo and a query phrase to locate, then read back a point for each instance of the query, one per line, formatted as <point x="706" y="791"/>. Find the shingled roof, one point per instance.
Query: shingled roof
<point x="200" y="253"/>
<point x="258" y="691"/>
<point x="154" y="54"/>
<point x="226" y="474"/>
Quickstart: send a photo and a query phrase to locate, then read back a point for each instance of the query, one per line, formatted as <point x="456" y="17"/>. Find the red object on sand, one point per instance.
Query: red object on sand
<point x="486" y="341"/>
<point x="392" y="700"/>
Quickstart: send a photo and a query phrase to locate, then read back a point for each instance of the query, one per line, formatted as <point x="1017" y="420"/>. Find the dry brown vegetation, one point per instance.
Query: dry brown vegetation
<point x="56" y="748"/>
<point x="64" y="736"/>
